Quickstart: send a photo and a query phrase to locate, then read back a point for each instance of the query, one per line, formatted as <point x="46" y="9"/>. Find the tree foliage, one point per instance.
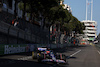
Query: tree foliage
<point x="52" y="13"/>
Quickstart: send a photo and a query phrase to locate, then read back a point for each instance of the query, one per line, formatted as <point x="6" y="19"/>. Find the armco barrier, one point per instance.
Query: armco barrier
<point x="1" y="49"/>
<point x="53" y="46"/>
<point x="18" y="48"/>
<point x="98" y="46"/>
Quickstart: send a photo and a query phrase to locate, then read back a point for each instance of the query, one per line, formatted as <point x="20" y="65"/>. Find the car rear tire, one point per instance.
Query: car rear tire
<point x="34" y="55"/>
<point x="40" y="58"/>
<point x="61" y="57"/>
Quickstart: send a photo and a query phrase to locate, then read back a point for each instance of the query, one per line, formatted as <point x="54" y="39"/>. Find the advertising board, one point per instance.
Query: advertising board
<point x="11" y="49"/>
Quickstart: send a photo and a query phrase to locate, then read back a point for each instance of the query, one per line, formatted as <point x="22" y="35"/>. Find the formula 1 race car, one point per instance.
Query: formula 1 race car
<point x="47" y="55"/>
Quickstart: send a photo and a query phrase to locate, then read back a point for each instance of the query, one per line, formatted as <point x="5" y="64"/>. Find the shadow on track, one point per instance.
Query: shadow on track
<point x="26" y="63"/>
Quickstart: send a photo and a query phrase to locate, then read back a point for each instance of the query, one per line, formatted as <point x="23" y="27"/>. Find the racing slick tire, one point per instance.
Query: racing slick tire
<point x="34" y="55"/>
<point x="57" y="56"/>
<point x="40" y="58"/>
<point x="61" y="57"/>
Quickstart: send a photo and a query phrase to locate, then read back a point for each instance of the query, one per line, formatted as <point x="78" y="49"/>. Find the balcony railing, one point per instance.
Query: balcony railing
<point x="90" y="24"/>
<point x="90" y="31"/>
<point x="93" y="28"/>
<point x="90" y="34"/>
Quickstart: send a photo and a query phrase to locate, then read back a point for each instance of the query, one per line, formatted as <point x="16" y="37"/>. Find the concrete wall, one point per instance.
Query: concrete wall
<point x="13" y="35"/>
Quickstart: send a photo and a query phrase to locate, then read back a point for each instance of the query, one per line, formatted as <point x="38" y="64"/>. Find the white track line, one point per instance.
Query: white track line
<point x="25" y="58"/>
<point x="98" y="52"/>
<point x="75" y="53"/>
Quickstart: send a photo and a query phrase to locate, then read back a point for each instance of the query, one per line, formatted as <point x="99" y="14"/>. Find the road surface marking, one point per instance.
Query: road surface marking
<point x="98" y="52"/>
<point x="75" y="53"/>
<point x="25" y="58"/>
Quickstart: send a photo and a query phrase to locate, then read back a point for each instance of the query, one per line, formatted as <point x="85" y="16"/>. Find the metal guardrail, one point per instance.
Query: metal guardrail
<point x="18" y="48"/>
<point x="97" y="46"/>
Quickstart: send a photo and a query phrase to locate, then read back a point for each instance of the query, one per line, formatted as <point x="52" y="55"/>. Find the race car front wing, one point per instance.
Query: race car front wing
<point x="50" y="60"/>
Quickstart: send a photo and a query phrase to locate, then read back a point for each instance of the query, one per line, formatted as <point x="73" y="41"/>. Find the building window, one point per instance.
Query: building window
<point x="91" y="26"/>
<point x="91" y="36"/>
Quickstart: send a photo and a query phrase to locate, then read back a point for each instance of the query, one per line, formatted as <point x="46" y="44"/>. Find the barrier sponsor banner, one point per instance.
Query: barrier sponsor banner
<point x="18" y="48"/>
<point x="11" y="49"/>
<point x="31" y="47"/>
<point x="1" y="49"/>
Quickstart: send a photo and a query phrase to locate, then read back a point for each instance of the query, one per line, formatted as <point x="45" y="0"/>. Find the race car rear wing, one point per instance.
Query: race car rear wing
<point x="42" y="49"/>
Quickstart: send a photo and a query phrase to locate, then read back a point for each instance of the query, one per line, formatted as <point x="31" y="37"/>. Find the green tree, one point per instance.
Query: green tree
<point x="50" y="11"/>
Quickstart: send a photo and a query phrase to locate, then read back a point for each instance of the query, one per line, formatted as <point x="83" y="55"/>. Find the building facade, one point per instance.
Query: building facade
<point x="90" y="30"/>
<point x="67" y="7"/>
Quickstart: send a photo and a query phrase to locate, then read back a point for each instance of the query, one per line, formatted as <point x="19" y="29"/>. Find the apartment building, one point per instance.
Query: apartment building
<point x="65" y="6"/>
<point x="90" y="30"/>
